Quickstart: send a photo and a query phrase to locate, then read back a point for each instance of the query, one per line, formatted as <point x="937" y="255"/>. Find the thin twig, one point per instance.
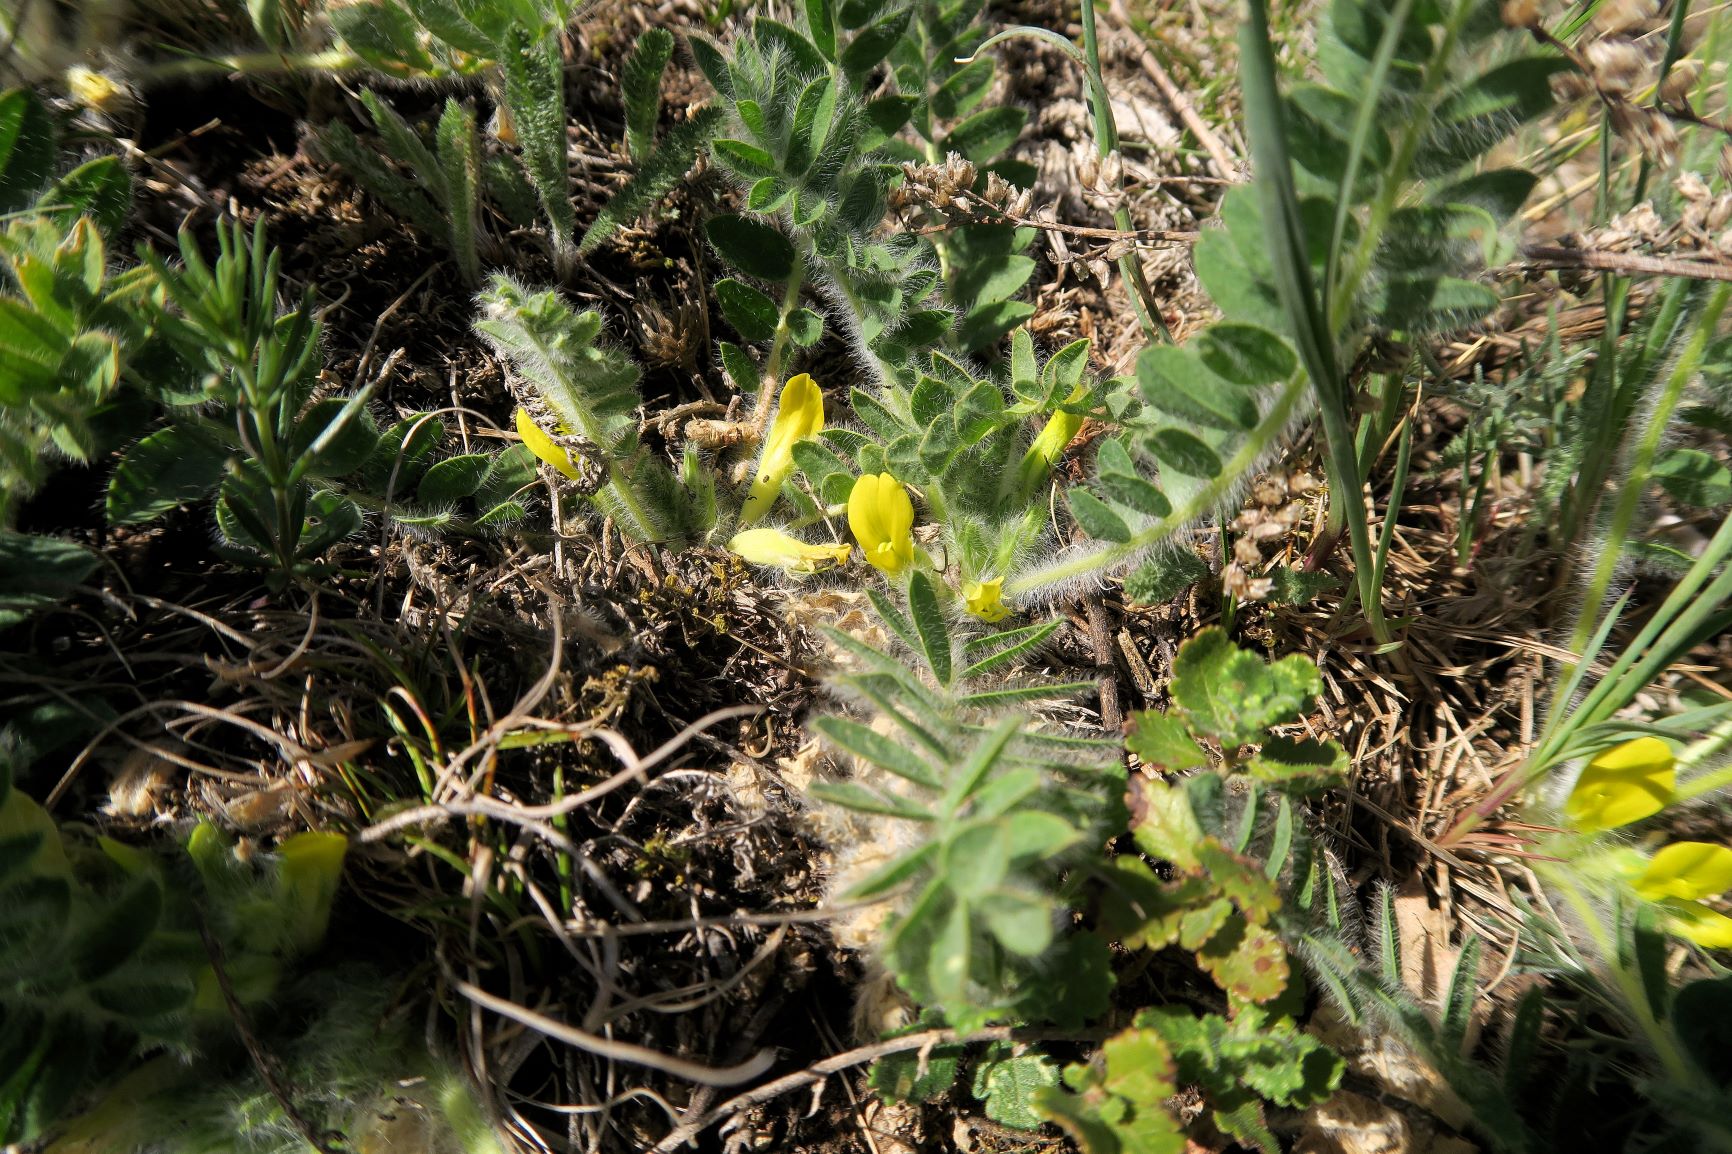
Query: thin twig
<point x="615" y="1050"/>
<point x="818" y="1071"/>
<point x="261" y="1060"/>
<point x="1548" y="256"/>
<point x="1199" y="128"/>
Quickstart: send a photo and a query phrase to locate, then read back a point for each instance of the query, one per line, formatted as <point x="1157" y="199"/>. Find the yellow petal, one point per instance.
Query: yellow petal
<point x="1688" y="870"/>
<point x="1624" y="784"/>
<point x="1695" y="922"/>
<point x="985" y="599"/>
<point x="544" y="446"/>
<point x="882" y="517"/>
<point x="773" y="547"/>
<point x="799" y="414"/>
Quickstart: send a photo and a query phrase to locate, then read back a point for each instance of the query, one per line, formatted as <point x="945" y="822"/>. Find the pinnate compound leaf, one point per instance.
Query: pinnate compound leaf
<point x="655" y="177"/>
<point x="640" y="84"/>
<point x="1232" y="694"/>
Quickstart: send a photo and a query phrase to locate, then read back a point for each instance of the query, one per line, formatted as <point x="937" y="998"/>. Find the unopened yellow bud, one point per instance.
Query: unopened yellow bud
<point x="773" y="547"/>
<point x="985" y="600"/>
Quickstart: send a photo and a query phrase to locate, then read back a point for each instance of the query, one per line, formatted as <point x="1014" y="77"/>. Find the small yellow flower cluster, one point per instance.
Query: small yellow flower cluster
<point x="1637" y="780"/>
<point x="880" y="512"/>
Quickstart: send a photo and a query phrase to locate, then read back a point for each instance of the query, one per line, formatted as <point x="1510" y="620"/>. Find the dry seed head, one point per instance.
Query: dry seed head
<point x="1235" y="582"/>
<point x="1675" y="89"/>
<point x="1617" y="17"/>
<point x="1648" y="130"/>
<point x="1113" y="170"/>
<point x="1520" y="13"/>
<point x="1691" y="186"/>
<point x="1617" y="65"/>
<point x="1268" y="491"/>
<point x="1246" y="552"/>
<point x="1719" y="212"/>
<point x="1088" y="171"/>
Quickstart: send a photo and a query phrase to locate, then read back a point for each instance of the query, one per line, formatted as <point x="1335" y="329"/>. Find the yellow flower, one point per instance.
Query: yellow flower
<point x="544" y="446"/>
<point x="1695" y="922"/>
<point x="773" y="547"/>
<point x="985" y="599"/>
<point x="882" y="518"/>
<point x="799" y="414"/>
<point x="1677" y="879"/>
<point x="1624" y="784"/>
<point x="1687" y="869"/>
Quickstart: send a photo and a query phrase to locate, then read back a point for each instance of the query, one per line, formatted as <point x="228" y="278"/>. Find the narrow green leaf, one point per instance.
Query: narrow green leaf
<point x="930" y="625"/>
<point x="874" y="747"/>
<point x="857" y="797"/>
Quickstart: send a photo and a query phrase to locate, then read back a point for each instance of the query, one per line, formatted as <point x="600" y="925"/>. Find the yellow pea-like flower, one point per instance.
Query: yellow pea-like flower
<point x="799" y="414"/>
<point x="1695" y="922"/>
<point x="882" y="517"/>
<point x="985" y="600"/>
<point x="545" y="447"/>
<point x="1688" y="870"/>
<point x="1624" y="784"/>
<point x="774" y="547"/>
